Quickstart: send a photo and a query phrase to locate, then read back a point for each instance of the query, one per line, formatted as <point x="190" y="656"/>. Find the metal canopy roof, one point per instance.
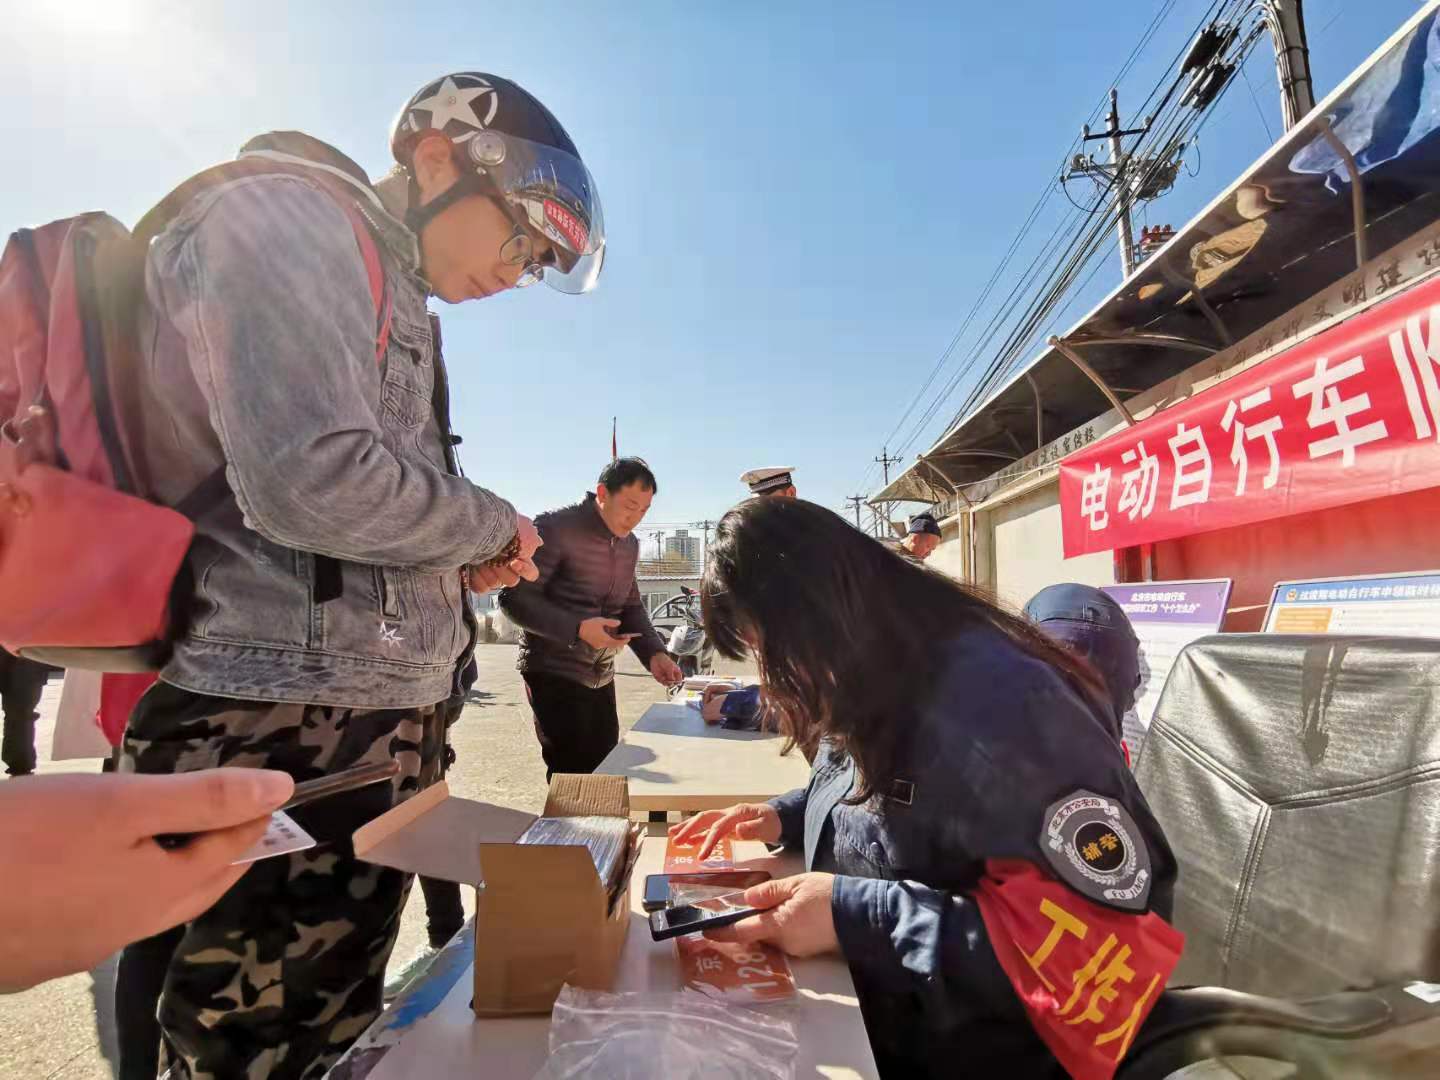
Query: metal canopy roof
<point x="1280" y="234"/>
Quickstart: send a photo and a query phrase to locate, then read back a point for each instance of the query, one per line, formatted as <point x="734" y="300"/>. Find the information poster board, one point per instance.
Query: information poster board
<point x="1393" y="604"/>
<point x="1167" y="616"/>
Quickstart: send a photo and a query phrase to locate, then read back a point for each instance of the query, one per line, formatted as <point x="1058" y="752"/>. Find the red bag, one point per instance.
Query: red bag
<point x="88" y="563"/>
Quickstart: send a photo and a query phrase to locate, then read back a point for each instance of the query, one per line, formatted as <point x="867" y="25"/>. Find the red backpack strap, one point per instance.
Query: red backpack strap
<point x="375" y="272"/>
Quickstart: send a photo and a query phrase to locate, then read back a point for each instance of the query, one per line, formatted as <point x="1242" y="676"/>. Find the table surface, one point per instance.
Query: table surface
<point x="675" y="761"/>
<point x="431" y="1031"/>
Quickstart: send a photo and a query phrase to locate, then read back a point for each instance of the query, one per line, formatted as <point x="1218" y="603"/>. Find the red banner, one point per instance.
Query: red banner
<point x="1350" y="415"/>
<point x="1087" y="975"/>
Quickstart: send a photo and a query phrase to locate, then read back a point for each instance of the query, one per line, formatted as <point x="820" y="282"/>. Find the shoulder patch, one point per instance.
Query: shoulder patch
<point x="1094" y="846"/>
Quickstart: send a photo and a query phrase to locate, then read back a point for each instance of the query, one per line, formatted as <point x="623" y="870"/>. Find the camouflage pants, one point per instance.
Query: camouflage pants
<point x="286" y="970"/>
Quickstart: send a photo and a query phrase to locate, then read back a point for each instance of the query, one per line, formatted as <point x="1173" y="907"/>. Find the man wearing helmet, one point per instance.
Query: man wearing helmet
<point x="306" y="412"/>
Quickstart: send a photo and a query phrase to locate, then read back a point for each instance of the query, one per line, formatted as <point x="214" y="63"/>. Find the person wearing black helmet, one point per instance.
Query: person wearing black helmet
<point x="306" y="403"/>
<point x="922" y="537"/>
<point x="1094" y="626"/>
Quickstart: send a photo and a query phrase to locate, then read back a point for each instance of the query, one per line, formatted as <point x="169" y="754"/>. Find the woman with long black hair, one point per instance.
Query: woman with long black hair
<point x="977" y="848"/>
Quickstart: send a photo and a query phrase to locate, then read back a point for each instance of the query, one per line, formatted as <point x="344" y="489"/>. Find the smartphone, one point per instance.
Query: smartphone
<point x="700" y="916"/>
<point x="308" y="791"/>
<point x="658" y="887"/>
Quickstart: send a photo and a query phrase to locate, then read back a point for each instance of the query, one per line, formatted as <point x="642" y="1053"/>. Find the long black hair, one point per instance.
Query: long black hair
<point x="845" y="629"/>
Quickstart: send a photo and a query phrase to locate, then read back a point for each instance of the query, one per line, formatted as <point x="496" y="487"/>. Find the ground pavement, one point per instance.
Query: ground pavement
<point x="64" y="1031"/>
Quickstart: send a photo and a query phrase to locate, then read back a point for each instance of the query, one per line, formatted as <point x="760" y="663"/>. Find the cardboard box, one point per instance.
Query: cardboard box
<point x="543" y="917"/>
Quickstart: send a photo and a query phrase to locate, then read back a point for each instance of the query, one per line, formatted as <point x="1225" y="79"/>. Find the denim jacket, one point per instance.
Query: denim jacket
<point x="994" y="740"/>
<point x="259" y="344"/>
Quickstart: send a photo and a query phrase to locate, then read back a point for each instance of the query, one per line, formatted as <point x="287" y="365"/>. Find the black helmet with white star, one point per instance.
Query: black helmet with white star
<point x="510" y="146"/>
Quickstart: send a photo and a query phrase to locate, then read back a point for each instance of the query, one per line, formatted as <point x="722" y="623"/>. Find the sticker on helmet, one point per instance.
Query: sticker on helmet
<point x="572" y="230"/>
<point x="1095" y="847"/>
<point x="472" y="105"/>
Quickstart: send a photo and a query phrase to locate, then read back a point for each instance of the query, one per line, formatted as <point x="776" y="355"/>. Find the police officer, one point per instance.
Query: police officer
<point x="772" y="480"/>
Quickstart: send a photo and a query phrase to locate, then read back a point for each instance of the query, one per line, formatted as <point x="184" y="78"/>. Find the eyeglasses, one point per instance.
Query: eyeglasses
<point x="519" y="250"/>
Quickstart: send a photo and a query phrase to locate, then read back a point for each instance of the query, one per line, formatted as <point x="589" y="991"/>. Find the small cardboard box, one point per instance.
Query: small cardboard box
<point x="543" y="917"/>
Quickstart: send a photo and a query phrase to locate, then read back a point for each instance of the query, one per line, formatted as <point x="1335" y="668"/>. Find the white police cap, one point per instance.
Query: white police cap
<point x="763" y="481"/>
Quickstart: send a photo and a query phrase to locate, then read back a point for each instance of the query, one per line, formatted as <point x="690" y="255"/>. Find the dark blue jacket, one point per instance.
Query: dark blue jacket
<point x="740" y="711"/>
<point x="994" y="740"/>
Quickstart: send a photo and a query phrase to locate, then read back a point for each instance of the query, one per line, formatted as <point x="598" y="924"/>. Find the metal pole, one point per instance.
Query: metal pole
<point x="1122" y="188"/>
<point x="1357" y="190"/>
<point x="1285" y="20"/>
<point x="1090" y="373"/>
<point x="1039" y="413"/>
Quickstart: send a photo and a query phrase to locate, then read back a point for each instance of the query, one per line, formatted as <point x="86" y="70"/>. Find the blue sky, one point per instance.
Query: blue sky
<point x="801" y="199"/>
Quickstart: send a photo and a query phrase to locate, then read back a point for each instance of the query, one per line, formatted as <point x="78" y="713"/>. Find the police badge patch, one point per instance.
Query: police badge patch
<point x="1094" y="846"/>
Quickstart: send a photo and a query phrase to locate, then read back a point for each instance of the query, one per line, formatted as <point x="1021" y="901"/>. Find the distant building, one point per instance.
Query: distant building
<point x="683" y="546"/>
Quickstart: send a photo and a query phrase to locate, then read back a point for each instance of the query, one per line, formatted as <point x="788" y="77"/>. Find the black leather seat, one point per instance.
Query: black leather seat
<point x="1298" y="781"/>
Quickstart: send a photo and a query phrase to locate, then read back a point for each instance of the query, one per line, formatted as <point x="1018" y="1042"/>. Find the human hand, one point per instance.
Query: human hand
<point x="95" y="880"/>
<point x="597" y="633"/>
<point x="743" y="821"/>
<point x="483" y="579"/>
<point x="712" y="700"/>
<point x="665" y="670"/>
<point x="798" y="918"/>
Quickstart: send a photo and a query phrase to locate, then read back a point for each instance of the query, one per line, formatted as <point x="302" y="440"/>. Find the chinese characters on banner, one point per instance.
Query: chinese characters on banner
<point x="1352" y="414"/>
<point x="1087" y="975"/>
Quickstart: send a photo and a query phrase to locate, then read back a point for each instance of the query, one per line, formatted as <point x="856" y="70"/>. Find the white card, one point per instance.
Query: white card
<point x="282" y="837"/>
<point x="1426" y="992"/>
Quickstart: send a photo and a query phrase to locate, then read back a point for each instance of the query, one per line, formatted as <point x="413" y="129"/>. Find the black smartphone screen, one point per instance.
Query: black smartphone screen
<point x="660" y="887"/>
<point x="700" y="916"/>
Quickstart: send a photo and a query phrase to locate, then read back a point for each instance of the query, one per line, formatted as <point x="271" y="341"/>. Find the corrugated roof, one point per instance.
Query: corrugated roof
<point x="668" y="567"/>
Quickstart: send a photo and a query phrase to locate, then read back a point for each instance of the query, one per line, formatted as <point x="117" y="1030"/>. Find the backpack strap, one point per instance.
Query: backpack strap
<point x="168" y="208"/>
<point x="375" y="272"/>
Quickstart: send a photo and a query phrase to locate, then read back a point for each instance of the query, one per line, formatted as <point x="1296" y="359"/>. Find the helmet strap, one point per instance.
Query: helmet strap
<point x="470" y="183"/>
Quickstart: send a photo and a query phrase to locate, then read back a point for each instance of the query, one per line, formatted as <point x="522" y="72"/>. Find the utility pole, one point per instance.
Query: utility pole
<point x="855" y="502"/>
<point x="658" y="537"/>
<point x="1121" y="173"/>
<point x="1122" y="187"/>
<point x="705" y="527"/>
<point x="886" y="461"/>
<point x="1286" y="22"/>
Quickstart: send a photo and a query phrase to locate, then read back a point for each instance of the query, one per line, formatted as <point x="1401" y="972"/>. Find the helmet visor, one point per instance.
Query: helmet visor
<point x="554" y="194"/>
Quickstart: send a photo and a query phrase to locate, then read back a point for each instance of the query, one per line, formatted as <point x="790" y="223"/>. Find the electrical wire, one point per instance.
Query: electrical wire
<point x="1162" y="12"/>
<point x="1089" y="242"/>
<point x="1069" y="271"/>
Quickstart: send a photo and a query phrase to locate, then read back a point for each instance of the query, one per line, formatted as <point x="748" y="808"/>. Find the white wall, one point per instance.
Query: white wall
<point x="949" y="556"/>
<point x="1019" y="548"/>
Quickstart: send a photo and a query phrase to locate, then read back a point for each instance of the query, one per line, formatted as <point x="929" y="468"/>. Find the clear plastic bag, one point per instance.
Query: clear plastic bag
<point x="680" y="1036"/>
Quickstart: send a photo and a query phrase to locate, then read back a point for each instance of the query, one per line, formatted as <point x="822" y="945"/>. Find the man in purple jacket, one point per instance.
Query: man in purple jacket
<point x="585" y="608"/>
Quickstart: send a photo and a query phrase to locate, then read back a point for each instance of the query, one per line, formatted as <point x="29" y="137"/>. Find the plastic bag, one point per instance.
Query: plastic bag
<point x="607" y="838"/>
<point x="665" y="1037"/>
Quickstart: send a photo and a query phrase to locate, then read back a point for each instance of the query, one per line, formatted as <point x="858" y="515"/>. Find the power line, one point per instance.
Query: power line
<point x="1046" y="193"/>
<point x="1175" y="126"/>
<point x="1258" y="110"/>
